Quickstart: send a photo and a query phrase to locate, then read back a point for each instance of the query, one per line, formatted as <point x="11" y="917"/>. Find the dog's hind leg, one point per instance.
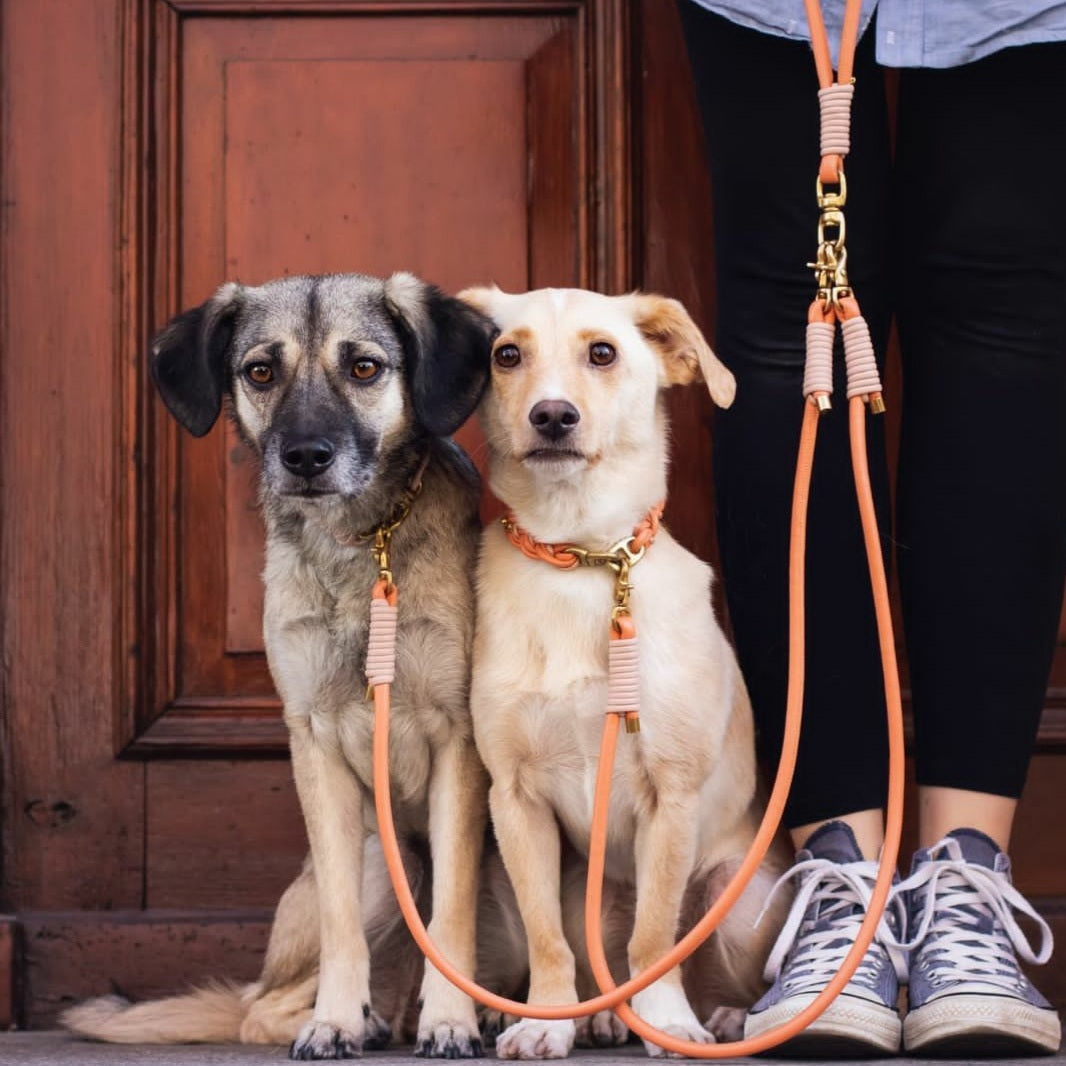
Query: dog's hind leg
<point x="458" y="815"/>
<point x="725" y="976"/>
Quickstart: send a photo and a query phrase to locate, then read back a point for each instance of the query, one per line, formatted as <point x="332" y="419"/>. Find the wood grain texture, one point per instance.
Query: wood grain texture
<point x="11" y="971"/>
<point x="139" y="954"/>
<point x="676" y="254"/>
<point x="73" y="829"/>
<point x="221" y="833"/>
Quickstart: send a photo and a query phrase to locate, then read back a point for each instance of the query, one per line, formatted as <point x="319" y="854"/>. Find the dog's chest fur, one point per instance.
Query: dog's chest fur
<point x="540" y="685"/>
<point x="316" y="624"/>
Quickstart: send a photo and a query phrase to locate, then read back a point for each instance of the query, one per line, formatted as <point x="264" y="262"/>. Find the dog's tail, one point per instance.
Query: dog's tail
<point x="209" y="1015"/>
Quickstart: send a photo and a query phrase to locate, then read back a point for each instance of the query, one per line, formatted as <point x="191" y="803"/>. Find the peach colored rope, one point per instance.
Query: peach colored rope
<point x="834" y="102"/>
<point x="833" y="162"/>
<point x="381" y="643"/>
<point x="863" y="376"/>
<point x="623" y="676"/>
<point x="818" y="370"/>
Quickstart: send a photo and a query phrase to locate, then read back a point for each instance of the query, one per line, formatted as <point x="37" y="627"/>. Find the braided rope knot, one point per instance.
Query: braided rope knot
<point x="381" y="643"/>
<point x="863" y="378"/>
<point x="834" y="102"/>
<point x="623" y="676"/>
<point x="818" y="370"/>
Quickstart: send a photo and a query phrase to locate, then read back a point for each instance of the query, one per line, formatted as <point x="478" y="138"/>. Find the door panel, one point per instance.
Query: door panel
<point x="454" y="145"/>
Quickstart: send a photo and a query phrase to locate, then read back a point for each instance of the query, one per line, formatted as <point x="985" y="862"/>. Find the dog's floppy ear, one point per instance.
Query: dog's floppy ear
<point x="446" y="343"/>
<point x="481" y="297"/>
<point x="685" y="355"/>
<point x="189" y="360"/>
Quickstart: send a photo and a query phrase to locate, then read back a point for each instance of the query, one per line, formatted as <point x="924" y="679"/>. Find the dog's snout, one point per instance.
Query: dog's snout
<point x="306" y="458"/>
<point x="554" y="418"/>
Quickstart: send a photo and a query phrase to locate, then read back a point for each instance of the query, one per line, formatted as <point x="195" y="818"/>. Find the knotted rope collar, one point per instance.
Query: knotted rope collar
<point x="568" y="556"/>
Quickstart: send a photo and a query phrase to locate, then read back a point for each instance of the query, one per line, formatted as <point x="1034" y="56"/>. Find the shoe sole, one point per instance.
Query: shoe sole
<point x="987" y="1025"/>
<point x="849" y="1027"/>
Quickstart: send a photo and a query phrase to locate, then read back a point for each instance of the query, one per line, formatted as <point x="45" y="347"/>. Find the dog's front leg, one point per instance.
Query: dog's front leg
<point x="342" y="1024"/>
<point x="529" y="843"/>
<point x="666" y="843"/>
<point x="458" y="812"/>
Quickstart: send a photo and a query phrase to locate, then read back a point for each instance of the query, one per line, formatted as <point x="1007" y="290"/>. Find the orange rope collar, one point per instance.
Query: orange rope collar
<point x="568" y="556"/>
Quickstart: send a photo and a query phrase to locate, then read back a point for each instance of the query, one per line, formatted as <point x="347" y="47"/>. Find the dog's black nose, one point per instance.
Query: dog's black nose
<point x="554" y="418"/>
<point x="306" y="458"/>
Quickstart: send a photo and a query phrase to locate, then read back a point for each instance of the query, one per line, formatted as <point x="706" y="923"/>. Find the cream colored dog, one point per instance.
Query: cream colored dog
<point x="577" y="435"/>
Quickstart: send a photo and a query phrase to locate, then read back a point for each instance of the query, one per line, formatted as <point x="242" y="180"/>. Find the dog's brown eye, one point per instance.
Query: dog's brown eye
<point x="260" y="373"/>
<point x="507" y="356"/>
<point x="365" y="369"/>
<point x="602" y="354"/>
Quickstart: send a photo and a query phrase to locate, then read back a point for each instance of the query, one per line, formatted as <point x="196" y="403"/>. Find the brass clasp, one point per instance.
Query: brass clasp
<point x="381" y="537"/>
<point x="621" y="558"/>
<point x="831" y="199"/>
<point x="832" y="218"/>
<point x="831" y="262"/>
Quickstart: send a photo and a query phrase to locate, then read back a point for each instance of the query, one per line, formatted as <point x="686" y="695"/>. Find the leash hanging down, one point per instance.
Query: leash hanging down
<point x="834" y="304"/>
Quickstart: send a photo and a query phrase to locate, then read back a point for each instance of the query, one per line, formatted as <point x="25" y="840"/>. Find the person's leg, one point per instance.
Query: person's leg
<point x="758" y="101"/>
<point x="981" y="509"/>
<point x="758" y="97"/>
<point x="982" y="491"/>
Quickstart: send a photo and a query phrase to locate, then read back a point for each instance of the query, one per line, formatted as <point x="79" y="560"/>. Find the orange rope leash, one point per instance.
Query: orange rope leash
<point x="776" y="803"/>
<point x="837" y="298"/>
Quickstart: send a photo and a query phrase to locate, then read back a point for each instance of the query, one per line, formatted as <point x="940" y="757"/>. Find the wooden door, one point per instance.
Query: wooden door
<point x="153" y="149"/>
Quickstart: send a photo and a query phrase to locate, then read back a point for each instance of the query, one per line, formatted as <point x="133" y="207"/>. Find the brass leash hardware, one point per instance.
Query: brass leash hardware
<point x="621" y="558"/>
<point x="380" y="537"/>
<point x="831" y="262"/>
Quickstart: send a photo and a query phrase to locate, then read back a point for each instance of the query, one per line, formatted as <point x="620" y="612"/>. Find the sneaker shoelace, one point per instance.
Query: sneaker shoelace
<point x="958" y="902"/>
<point x="822" y="925"/>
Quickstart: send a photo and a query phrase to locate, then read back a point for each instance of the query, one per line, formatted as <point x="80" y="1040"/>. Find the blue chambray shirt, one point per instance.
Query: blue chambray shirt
<point x="913" y="33"/>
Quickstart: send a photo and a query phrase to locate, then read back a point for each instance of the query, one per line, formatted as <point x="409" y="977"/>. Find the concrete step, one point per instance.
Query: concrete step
<point x="59" y="1049"/>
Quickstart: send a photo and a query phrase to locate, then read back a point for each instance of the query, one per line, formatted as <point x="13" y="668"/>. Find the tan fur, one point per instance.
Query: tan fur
<point x="683" y="802"/>
<point x="339" y="917"/>
<point x="213" y="1014"/>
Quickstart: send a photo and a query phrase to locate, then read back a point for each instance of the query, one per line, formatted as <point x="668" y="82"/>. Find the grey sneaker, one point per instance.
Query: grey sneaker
<point x="835" y="885"/>
<point x="967" y="994"/>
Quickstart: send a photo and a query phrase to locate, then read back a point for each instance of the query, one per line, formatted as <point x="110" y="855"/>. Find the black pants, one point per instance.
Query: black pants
<point x="962" y="237"/>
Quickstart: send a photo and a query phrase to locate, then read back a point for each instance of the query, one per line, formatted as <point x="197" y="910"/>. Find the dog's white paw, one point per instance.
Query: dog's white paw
<point x="666" y="1008"/>
<point x="683" y="1031"/>
<point x="533" y="1038"/>
<point x="448" y="1040"/>
<point x="726" y="1023"/>
<point x="327" y="1040"/>
<point x="604" y="1029"/>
